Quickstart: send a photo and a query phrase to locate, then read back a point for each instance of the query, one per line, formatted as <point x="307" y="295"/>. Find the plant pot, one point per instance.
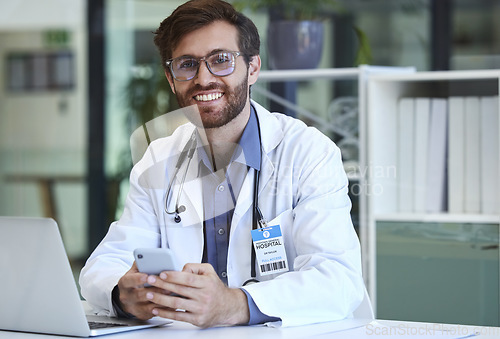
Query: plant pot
<point x="295" y="44"/>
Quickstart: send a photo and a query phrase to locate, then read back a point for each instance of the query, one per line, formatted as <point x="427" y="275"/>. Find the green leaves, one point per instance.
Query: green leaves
<point x="364" y="54"/>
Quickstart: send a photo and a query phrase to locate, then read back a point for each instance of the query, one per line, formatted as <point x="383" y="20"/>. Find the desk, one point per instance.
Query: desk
<point x="350" y="328"/>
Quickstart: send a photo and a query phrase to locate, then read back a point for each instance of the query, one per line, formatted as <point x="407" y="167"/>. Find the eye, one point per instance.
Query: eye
<point x="221" y="58"/>
<point x="187" y="64"/>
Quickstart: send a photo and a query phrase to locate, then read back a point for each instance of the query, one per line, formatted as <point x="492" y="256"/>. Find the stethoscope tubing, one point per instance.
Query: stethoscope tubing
<point x="187" y="152"/>
<point x="255" y="218"/>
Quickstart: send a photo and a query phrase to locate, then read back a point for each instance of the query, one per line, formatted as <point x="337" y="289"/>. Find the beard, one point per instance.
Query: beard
<point x="213" y="118"/>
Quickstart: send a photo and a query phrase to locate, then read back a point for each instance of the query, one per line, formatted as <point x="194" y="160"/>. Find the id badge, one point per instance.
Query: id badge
<point x="270" y="250"/>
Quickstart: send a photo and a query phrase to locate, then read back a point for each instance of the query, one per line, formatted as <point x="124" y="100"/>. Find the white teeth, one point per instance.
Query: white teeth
<point x="208" y="97"/>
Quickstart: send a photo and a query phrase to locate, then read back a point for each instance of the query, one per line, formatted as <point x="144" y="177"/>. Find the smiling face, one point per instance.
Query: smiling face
<point x="220" y="100"/>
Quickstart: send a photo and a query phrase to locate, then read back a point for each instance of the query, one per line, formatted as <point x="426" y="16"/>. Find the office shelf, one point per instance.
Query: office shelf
<point x="402" y="243"/>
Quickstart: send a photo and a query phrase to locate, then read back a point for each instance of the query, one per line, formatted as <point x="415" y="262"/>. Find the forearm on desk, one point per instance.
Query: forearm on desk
<point x="256" y="316"/>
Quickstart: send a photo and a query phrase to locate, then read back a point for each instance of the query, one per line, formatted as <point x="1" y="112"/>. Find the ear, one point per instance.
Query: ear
<point x="170" y="80"/>
<point x="254" y="69"/>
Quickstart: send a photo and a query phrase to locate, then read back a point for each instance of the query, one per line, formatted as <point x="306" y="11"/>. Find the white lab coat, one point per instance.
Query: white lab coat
<point x="303" y="188"/>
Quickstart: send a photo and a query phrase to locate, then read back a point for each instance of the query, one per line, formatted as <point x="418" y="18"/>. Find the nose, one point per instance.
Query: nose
<point x="204" y="76"/>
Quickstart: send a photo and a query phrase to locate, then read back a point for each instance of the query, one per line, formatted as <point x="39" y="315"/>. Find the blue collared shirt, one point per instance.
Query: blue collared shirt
<point x="220" y="193"/>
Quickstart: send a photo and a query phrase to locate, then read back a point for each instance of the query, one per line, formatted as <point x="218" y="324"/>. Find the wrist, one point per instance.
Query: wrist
<point x="117" y="305"/>
<point x="240" y="314"/>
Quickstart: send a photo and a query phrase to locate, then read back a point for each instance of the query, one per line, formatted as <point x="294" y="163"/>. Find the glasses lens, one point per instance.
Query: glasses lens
<point x="184" y="68"/>
<point x="221" y="63"/>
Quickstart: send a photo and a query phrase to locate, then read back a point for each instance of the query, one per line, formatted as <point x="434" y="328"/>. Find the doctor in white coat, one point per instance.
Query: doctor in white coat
<point x="211" y="55"/>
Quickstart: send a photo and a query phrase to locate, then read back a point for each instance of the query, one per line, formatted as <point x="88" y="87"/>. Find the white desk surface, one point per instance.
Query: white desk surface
<point x="350" y="328"/>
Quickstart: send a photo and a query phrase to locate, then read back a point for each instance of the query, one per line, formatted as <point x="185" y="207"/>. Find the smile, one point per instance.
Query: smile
<point x="208" y="97"/>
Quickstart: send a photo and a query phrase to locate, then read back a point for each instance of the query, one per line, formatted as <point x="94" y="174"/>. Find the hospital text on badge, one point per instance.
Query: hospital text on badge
<point x="270" y="250"/>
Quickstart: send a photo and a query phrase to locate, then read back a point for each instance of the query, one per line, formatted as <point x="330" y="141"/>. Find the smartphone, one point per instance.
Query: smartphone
<point x="153" y="261"/>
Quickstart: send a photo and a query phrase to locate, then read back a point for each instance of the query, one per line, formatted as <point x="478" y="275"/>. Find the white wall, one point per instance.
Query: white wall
<point x="18" y="15"/>
<point x="43" y="133"/>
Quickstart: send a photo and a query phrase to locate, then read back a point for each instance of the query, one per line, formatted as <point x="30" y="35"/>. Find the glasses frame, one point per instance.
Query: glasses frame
<point x="169" y="64"/>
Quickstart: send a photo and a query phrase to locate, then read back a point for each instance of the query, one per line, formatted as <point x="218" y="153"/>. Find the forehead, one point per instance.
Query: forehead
<point x="215" y="36"/>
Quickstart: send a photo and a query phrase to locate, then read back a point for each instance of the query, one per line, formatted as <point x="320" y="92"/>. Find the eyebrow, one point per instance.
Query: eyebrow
<point x="217" y="50"/>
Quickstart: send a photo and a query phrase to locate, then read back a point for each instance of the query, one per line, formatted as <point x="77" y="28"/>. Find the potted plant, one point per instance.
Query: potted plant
<point x="295" y="31"/>
<point x="146" y="96"/>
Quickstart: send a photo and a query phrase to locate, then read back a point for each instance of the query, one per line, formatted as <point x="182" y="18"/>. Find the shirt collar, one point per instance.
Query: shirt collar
<point x="250" y="143"/>
<point x="248" y="151"/>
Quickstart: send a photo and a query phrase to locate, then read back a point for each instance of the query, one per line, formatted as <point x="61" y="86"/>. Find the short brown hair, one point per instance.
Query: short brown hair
<point x="196" y="14"/>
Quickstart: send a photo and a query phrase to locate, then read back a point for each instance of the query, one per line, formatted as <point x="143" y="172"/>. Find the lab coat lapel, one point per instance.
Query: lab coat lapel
<point x="245" y="199"/>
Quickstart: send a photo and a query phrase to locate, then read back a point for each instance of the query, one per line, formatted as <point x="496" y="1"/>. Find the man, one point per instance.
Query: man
<point x="211" y="58"/>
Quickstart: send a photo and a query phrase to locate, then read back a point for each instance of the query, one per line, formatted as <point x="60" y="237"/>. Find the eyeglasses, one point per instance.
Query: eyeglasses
<point x="219" y="63"/>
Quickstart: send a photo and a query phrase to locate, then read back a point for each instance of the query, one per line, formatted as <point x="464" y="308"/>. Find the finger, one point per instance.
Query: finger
<point x="186" y="278"/>
<point x="133" y="278"/>
<point x="198" y="268"/>
<point x="136" y="302"/>
<point x="158" y="285"/>
<point x="142" y="311"/>
<point x="178" y="287"/>
<point x="173" y="302"/>
<point x="141" y="293"/>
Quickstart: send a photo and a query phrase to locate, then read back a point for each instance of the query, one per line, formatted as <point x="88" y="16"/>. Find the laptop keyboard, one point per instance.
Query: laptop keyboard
<point x="94" y="325"/>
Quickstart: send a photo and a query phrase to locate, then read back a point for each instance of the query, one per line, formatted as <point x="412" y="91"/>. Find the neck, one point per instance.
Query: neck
<point x="221" y="142"/>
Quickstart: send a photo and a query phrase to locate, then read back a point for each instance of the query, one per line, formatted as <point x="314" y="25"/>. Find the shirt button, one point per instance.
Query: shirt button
<point x="221" y="231"/>
<point x="223" y="274"/>
<point x="220" y="188"/>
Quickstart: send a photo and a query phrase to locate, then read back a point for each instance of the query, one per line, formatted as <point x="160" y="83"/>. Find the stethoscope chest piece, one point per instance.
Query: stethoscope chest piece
<point x="177" y="217"/>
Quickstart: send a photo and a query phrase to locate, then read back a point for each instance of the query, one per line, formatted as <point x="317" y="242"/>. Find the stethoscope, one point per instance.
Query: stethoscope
<point x="188" y="153"/>
<point x="258" y="220"/>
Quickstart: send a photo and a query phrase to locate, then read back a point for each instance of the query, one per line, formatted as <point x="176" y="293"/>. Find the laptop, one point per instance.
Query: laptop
<point x="38" y="292"/>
